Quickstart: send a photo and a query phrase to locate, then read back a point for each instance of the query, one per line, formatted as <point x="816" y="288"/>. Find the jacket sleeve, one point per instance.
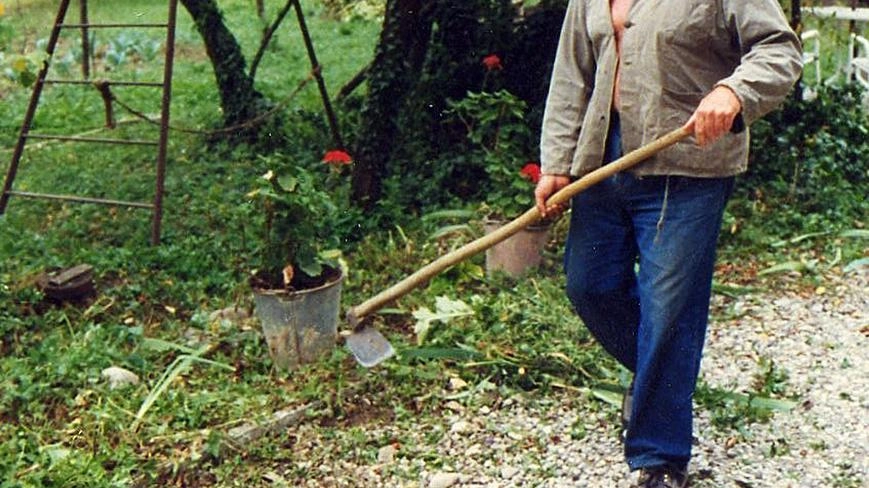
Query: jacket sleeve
<point x="771" y="55"/>
<point x="569" y="91"/>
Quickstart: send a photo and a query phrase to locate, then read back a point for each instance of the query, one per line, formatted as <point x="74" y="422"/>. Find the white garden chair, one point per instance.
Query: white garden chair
<point x="812" y="55"/>
<point x="811" y="41"/>
<point x="858" y="60"/>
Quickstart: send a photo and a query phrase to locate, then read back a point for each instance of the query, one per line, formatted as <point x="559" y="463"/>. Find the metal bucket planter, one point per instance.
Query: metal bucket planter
<point x="517" y="254"/>
<point x="299" y="326"/>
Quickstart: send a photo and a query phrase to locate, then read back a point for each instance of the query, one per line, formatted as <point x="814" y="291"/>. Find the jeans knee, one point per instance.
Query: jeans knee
<point x="586" y="300"/>
<point x="598" y="305"/>
<point x="576" y="293"/>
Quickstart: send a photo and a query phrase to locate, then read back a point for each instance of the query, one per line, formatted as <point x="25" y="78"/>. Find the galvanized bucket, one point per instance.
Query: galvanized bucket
<point x="517" y="254"/>
<point x="299" y="326"/>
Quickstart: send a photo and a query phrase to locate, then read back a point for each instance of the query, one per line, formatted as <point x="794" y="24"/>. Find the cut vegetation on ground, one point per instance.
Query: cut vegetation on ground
<point x="512" y="391"/>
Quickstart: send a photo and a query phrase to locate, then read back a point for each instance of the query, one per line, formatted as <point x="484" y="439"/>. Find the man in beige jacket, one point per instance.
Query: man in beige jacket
<point x="627" y="72"/>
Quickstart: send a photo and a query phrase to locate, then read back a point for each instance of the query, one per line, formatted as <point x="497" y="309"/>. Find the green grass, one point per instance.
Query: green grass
<point x="60" y="425"/>
<point x="343" y="49"/>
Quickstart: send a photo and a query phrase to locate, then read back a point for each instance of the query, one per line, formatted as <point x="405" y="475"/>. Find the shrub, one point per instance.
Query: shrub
<point x="431" y="157"/>
<point x="297" y="217"/>
<point x="501" y="139"/>
<point x="811" y="155"/>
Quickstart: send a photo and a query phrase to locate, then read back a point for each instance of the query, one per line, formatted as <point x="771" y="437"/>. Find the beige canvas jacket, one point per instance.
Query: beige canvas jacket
<point x="674" y="52"/>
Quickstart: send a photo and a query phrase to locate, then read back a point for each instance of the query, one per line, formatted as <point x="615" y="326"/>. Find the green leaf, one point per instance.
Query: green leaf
<point x="798" y="239"/>
<point x="424" y="318"/>
<point x="445" y="310"/>
<point x="858" y="233"/>
<point x="607" y="395"/>
<point x="331" y="254"/>
<point x="774" y="404"/>
<point x="27" y="78"/>
<point x="449" y="230"/>
<point x="453" y="353"/>
<point x="731" y="291"/>
<point x="178" y="366"/>
<point x="390" y="311"/>
<point x="155" y="344"/>
<point x="175" y="368"/>
<point x="288" y="183"/>
<point x="857" y="263"/>
<point x="56" y="453"/>
<point x="311" y="267"/>
<point x="785" y="267"/>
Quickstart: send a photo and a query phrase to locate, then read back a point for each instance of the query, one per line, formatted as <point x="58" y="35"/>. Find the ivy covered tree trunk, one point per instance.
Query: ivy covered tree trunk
<point x="398" y="59"/>
<point x="463" y="33"/>
<point x="238" y="98"/>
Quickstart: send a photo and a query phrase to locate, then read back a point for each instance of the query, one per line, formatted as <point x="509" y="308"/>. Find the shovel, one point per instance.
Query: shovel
<point x="370" y="347"/>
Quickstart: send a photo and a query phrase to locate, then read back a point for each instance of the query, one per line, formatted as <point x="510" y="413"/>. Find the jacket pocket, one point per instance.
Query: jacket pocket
<point x="685" y="77"/>
<point x="684" y="47"/>
<point x="689" y="23"/>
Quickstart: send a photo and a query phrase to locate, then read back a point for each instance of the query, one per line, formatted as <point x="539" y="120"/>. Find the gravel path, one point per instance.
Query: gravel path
<point x="569" y="439"/>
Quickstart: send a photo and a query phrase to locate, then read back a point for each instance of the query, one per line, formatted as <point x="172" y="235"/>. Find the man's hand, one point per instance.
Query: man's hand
<point x="546" y="187"/>
<point x="714" y="116"/>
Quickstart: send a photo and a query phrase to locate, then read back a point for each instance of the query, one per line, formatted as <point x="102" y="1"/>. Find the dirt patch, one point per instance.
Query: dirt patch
<point x="358" y="410"/>
<point x="191" y="52"/>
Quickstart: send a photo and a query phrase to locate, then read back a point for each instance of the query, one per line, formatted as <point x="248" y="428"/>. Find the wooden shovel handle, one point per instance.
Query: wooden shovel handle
<point x="532" y="215"/>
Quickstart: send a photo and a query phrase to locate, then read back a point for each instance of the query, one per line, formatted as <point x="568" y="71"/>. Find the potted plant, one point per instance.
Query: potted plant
<point x="500" y="137"/>
<point x="522" y="251"/>
<point x="297" y="282"/>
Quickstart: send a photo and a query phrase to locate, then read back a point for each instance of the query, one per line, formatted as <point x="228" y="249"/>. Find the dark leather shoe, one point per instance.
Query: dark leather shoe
<point x="662" y="477"/>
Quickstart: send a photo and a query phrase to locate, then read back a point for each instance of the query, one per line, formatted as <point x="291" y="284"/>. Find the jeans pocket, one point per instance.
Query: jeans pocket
<point x="689" y="185"/>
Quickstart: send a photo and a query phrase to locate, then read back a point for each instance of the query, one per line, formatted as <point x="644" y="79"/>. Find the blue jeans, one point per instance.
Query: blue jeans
<point x="652" y="318"/>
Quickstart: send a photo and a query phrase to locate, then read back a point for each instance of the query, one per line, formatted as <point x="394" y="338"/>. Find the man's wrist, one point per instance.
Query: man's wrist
<point x="734" y="96"/>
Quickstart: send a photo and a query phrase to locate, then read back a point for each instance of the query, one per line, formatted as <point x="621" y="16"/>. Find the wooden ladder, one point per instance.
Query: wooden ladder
<point x="25" y="135"/>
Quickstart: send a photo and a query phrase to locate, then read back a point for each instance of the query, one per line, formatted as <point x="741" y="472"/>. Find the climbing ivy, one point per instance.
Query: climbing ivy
<point x="423" y="160"/>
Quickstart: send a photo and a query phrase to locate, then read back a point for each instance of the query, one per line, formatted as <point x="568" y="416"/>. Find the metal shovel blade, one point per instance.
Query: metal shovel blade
<point x="369" y="347"/>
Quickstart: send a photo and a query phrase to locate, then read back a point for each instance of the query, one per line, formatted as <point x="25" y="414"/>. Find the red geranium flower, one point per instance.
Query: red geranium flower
<point x="531" y="171"/>
<point x="337" y="157"/>
<point x="492" y="62"/>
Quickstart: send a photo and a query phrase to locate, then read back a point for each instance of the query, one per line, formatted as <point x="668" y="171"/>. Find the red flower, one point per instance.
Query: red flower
<point x="531" y="171"/>
<point x="337" y="157"/>
<point x="492" y="62"/>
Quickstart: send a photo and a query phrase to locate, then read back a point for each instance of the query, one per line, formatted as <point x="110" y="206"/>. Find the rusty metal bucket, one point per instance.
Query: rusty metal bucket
<point x="299" y="326"/>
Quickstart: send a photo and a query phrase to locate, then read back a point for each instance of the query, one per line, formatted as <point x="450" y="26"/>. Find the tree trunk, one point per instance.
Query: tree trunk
<point x="397" y="61"/>
<point x="238" y="98"/>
